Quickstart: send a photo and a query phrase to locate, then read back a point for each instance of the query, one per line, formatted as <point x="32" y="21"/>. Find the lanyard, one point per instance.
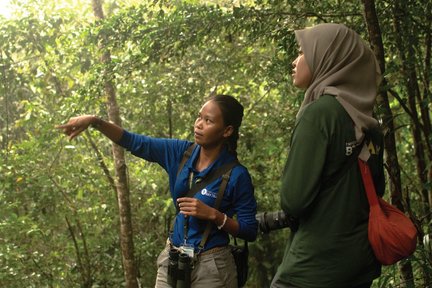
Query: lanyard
<point x="186" y="218"/>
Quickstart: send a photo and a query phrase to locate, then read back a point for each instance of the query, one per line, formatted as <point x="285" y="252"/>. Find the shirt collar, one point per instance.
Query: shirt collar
<point x="224" y="157"/>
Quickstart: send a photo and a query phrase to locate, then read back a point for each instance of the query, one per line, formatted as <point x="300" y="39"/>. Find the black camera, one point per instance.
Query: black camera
<point x="179" y="269"/>
<point x="269" y="221"/>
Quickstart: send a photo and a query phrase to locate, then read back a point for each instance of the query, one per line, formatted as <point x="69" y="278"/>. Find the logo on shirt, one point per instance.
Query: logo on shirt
<point x="207" y="193"/>
<point x="373" y="148"/>
<point x="350" y="146"/>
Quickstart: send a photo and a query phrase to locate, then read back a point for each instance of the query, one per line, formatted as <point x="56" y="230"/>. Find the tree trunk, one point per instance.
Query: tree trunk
<point x="389" y="141"/>
<point x="407" y="53"/>
<point x="427" y="83"/>
<point x="126" y="235"/>
<point x="426" y="99"/>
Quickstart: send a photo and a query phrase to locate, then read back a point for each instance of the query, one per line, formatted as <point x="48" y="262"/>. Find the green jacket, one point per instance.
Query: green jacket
<point x="330" y="249"/>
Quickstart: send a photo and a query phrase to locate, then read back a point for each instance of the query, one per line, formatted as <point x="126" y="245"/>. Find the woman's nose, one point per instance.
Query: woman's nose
<point x="198" y="123"/>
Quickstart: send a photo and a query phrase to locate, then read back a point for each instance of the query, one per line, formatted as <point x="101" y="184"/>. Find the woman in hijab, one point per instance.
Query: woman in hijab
<point x="321" y="183"/>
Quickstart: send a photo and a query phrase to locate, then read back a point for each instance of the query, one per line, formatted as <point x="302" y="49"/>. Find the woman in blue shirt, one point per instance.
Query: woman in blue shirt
<point x="216" y="132"/>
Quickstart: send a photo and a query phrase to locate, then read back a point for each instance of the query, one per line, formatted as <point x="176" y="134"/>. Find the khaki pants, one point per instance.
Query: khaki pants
<point x="212" y="270"/>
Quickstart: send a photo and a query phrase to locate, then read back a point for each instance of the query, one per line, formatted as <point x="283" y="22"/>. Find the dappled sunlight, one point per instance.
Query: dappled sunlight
<point x="5" y="9"/>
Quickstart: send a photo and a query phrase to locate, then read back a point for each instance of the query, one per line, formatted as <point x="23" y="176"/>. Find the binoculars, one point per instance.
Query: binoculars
<point x="179" y="269"/>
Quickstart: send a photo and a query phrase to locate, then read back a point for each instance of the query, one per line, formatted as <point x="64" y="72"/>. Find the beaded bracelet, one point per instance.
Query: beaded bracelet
<point x="223" y="223"/>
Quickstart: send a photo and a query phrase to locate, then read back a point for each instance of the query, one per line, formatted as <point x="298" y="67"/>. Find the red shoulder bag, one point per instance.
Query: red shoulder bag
<point x="392" y="235"/>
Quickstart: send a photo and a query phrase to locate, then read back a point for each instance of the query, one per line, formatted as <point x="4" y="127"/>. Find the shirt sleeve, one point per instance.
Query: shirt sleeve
<point x="245" y="206"/>
<point x="166" y="152"/>
<point x="303" y="169"/>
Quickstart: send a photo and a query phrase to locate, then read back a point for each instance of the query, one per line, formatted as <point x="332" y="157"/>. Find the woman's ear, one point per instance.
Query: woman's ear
<point x="228" y="131"/>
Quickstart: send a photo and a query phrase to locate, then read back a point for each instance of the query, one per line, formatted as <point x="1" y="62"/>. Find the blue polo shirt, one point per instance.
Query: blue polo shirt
<point x="238" y="198"/>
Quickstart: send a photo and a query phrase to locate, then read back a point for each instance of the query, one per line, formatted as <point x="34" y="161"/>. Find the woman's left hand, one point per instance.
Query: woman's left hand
<point x="196" y="208"/>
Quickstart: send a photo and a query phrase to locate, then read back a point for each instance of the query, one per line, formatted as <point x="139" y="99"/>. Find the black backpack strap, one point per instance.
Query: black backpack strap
<point x="224" y="170"/>
<point x="246" y="248"/>
<point x="222" y="187"/>
<point x="210" y="177"/>
<point x="186" y="156"/>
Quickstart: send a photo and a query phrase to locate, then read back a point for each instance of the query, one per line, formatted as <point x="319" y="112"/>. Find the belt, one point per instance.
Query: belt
<point x="207" y="252"/>
<point x="212" y="250"/>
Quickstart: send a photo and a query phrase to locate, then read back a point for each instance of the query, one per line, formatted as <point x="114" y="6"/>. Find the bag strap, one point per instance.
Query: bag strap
<point x="222" y="187"/>
<point x="245" y="243"/>
<point x="224" y="170"/>
<point x="186" y="156"/>
<point x="368" y="183"/>
<point x="210" y="177"/>
<point x="213" y="175"/>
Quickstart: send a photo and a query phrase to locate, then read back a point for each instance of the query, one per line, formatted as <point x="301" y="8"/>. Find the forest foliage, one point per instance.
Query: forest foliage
<point x="59" y="218"/>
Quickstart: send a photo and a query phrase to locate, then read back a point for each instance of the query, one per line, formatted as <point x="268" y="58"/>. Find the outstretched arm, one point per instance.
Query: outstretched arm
<point x="78" y="124"/>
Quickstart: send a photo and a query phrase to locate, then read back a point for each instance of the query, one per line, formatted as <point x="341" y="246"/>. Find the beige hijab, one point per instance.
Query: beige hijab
<point x="344" y="66"/>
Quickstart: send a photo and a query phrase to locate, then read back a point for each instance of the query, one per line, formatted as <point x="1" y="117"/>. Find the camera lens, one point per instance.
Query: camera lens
<point x="269" y="221"/>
